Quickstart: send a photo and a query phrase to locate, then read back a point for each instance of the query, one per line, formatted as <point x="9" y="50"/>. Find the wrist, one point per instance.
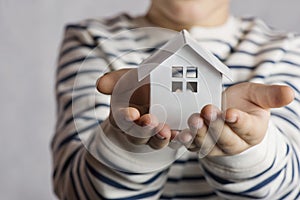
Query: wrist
<point x="112" y="148"/>
<point x="248" y="163"/>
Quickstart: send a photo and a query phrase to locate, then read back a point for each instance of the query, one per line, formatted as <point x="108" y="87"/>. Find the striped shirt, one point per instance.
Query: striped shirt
<point x="87" y="166"/>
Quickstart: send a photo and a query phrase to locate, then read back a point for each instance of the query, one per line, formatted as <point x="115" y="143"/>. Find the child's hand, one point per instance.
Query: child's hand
<point x="137" y="112"/>
<point x="243" y="124"/>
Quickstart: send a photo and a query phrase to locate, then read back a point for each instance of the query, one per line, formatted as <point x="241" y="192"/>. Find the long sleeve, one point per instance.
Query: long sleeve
<point x="82" y="111"/>
<point x="271" y="169"/>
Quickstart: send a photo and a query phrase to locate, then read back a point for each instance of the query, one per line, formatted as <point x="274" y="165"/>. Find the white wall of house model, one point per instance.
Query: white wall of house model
<point x="183" y="77"/>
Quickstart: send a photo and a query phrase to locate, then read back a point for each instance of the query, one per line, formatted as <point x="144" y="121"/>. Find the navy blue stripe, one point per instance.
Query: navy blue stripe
<point x="140" y="196"/>
<point x="285" y="74"/>
<point x="290" y="63"/>
<point x="69" y="39"/>
<point x="137" y="39"/>
<point x="189" y="196"/>
<point x="248" y="19"/>
<point x="217" y="178"/>
<point x="113" y="21"/>
<point x="265" y="182"/>
<point x="285" y="119"/>
<point x="267" y="50"/>
<point x="281" y="185"/>
<point x="107" y="180"/>
<point x="293" y="168"/>
<point x="92" y="185"/>
<point x="99" y="37"/>
<point x="258" y="77"/>
<point x="69" y="159"/>
<point x="75" y="89"/>
<point x="295" y="153"/>
<point x="193" y="178"/>
<point x="253" y="42"/>
<point x="124" y="38"/>
<point x="251" y="67"/>
<point x="77" y="60"/>
<point x="240" y="67"/>
<point x="80" y="180"/>
<point x="73" y="184"/>
<point x="77" y="46"/>
<point x="260" y="63"/>
<point x="54" y="172"/>
<point x="74" y="135"/>
<point x="263" y="172"/>
<point x="76" y="26"/>
<point x="86" y="118"/>
<point x="120" y="28"/>
<point x="298" y="195"/>
<point x="154" y="178"/>
<point x="191" y="160"/>
<point x="72" y="75"/>
<point x="286" y="195"/>
<point x="235" y="194"/>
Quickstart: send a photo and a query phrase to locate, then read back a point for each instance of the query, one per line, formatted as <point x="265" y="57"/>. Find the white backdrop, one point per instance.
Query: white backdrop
<point x="30" y="32"/>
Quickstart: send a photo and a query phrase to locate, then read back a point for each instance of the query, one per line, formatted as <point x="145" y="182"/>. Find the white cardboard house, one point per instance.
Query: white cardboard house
<point x="183" y="77"/>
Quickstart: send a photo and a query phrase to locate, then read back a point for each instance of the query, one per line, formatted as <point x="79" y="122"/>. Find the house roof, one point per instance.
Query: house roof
<point x="171" y="47"/>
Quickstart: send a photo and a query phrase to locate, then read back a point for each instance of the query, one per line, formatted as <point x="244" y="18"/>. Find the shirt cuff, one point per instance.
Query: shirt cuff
<point x="112" y="148"/>
<point x="250" y="162"/>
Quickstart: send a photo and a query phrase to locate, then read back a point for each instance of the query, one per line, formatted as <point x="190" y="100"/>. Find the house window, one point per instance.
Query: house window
<point x="177" y="72"/>
<point x="192" y="86"/>
<point x="184" y="79"/>
<point x="176" y="86"/>
<point x="191" y="72"/>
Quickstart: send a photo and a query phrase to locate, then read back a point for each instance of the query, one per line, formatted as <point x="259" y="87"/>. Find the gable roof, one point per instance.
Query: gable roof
<point x="172" y="46"/>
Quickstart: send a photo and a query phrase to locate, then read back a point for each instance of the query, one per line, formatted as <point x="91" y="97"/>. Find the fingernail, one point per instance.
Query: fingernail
<point x="213" y="116"/>
<point x="197" y="126"/>
<point x="232" y="119"/>
<point x="185" y="137"/>
<point x="160" y="137"/>
<point x="127" y="118"/>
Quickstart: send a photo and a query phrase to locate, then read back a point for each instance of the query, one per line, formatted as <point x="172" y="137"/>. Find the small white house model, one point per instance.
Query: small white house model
<point x="183" y="78"/>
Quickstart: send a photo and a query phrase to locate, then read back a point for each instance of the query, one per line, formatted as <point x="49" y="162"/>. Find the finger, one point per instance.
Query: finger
<point x="195" y="122"/>
<point x="106" y="83"/>
<point x="203" y="142"/>
<point x="223" y="136"/>
<point x="244" y="125"/>
<point x="128" y="114"/>
<point x="124" y="117"/>
<point x="148" y="122"/>
<point x="162" y="138"/>
<point x="270" y="96"/>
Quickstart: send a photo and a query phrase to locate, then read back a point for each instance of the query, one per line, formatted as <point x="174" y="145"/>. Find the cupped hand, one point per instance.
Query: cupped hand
<point x="244" y="122"/>
<point x="137" y="112"/>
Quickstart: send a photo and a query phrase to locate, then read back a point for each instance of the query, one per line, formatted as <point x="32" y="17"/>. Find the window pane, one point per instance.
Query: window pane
<point x="192" y="86"/>
<point x="177" y="72"/>
<point x="191" y="72"/>
<point x="176" y="86"/>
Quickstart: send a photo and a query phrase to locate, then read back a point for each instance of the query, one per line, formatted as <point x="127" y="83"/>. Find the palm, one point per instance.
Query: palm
<point x="246" y="113"/>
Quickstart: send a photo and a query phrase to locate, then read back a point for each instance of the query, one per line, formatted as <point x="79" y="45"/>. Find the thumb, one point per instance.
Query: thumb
<point x="270" y="96"/>
<point x="106" y="83"/>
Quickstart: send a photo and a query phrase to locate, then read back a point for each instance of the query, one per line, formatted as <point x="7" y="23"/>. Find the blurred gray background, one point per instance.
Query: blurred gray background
<point x="31" y="31"/>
